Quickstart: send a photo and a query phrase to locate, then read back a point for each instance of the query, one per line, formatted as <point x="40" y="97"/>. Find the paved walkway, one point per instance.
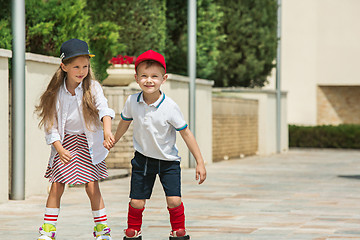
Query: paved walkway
<point x="302" y="194"/>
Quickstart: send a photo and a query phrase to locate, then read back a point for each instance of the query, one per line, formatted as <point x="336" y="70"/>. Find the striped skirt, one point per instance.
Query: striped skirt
<point x="80" y="169"/>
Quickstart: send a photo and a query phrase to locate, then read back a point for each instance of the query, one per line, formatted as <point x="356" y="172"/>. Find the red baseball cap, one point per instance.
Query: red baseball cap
<point x="150" y="55"/>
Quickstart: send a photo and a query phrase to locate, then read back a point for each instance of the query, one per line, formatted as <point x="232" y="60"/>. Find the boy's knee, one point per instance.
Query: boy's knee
<point x="173" y="202"/>
<point x="138" y="203"/>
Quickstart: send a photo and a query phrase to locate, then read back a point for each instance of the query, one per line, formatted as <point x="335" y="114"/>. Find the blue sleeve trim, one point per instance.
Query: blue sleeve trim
<point x="182" y="128"/>
<point x="124" y="118"/>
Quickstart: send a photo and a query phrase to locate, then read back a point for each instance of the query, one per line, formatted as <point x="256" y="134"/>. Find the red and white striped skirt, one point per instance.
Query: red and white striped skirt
<point x="80" y="169"/>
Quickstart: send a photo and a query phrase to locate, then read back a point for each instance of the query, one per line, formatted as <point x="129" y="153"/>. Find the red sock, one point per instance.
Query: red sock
<point x="135" y="218"/>
<point x="177" y="217"/>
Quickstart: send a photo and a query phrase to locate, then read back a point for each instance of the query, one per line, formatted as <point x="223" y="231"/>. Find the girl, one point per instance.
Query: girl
<point x="71" y="110"/>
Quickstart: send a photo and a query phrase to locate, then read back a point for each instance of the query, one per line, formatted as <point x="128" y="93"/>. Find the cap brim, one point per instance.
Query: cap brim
<point x="77" y="55"/>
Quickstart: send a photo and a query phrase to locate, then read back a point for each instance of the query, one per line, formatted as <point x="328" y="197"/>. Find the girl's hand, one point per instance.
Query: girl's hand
<point x="65" y="156"/>
<point x="200" y="173"/>
<point x="109" y="140"/>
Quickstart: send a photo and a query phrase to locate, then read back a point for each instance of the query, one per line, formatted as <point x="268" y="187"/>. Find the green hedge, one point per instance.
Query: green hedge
<point x="326" y="136"/>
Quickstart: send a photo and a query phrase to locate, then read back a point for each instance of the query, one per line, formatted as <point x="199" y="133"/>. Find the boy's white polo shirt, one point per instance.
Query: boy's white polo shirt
<point x="154" y="126"/>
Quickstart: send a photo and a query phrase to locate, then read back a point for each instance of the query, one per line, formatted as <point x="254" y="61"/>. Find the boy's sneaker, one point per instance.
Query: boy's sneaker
<point x="47" y="232"/>
<point x="179" y="234"/>
<point x="101" y="231"/>
<point x="132" y="234"/>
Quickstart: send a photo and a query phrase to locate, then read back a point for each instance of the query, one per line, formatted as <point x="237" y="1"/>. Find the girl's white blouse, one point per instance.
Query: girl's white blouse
<point x="95" y="137"/>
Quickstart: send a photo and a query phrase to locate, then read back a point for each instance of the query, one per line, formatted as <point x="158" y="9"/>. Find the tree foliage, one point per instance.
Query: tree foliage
<point x="144" y="26"/>
<point x="250" y="47"/>
<point x="104" y="41"/>
<point x="49" y="23"/>
<point x="142" y="23"/>
<point x="236" y="39"/>
<point x="5" y="25"/>
<point x="208" y="37"/>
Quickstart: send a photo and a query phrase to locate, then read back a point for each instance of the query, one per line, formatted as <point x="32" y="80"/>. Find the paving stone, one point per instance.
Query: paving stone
<point x="300" y="195"/>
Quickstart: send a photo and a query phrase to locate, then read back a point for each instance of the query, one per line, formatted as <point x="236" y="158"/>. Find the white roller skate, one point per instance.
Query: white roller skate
<point x="179" y="234"/>
<point x="102" y="232"/>
<point x="47" y="232"/>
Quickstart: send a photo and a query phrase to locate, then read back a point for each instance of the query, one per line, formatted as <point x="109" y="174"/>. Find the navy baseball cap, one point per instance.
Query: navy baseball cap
<point x="73" y="48"/>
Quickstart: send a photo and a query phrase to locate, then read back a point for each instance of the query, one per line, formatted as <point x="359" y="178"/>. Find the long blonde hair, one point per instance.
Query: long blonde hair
<point x="46" y="110"/>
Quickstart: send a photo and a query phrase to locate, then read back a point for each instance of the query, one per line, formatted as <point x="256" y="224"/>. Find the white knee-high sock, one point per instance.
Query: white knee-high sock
<point x="100" y="216"/>
<point x="51" y="215"/>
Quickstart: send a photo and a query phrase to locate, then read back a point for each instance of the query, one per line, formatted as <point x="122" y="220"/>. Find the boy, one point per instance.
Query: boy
<point x="156" y="119"/>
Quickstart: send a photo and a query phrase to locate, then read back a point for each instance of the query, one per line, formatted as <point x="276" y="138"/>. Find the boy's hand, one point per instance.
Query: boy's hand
<point x="65" y="156"/>
<point x="200" y="173"/>
<point x="109" y="140"/>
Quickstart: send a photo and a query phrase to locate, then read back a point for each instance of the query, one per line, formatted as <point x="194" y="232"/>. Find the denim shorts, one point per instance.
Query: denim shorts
<point x="144" y="171"/>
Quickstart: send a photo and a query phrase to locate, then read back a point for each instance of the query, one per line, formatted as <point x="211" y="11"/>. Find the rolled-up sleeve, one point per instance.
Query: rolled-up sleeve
<point x="101" y="102"/>
<point x="53" y="135"/>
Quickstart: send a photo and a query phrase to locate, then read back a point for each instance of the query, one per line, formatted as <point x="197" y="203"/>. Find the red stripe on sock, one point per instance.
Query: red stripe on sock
<point x="100" y="220"/>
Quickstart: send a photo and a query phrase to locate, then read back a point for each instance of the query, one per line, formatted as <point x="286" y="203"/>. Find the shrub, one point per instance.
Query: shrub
<point x="325" y="136"/>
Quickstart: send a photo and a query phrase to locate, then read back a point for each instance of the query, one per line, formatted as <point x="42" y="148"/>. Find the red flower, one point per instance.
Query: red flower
<point x="120" y="59"/>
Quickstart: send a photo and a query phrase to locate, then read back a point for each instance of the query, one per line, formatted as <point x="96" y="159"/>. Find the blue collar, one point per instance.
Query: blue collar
<point x="156" y="104"/>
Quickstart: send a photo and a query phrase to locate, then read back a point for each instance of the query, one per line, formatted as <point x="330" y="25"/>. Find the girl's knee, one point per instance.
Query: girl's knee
<point x="92" y="188"/>
<point x="56" y="186"/>
<point x="57" y="189"/>
<point x="92" y="185"/>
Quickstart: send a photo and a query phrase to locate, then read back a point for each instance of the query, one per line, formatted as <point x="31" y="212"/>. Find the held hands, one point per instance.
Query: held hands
<point x="109" y="140"/>
<point x="200" y="173"/>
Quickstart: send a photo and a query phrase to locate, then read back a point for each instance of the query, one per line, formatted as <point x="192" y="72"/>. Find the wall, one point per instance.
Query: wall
<point x="5" y="55"/>
<point x="299" y="58"/>
<point x="177" y="88"/>
<point x="338" y="105"/>
<point x="266" y="117"/>
<point x="235" y="127"/>
<point x="39" y="70"/>
<point x="319" y="47"/>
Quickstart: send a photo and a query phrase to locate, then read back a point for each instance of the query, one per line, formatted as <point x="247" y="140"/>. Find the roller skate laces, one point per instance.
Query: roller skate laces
<point x="179" y="234"/>
<point x="47" y="232"/>
<point x="101" y="231"/>
<point x="132" y="234"/>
